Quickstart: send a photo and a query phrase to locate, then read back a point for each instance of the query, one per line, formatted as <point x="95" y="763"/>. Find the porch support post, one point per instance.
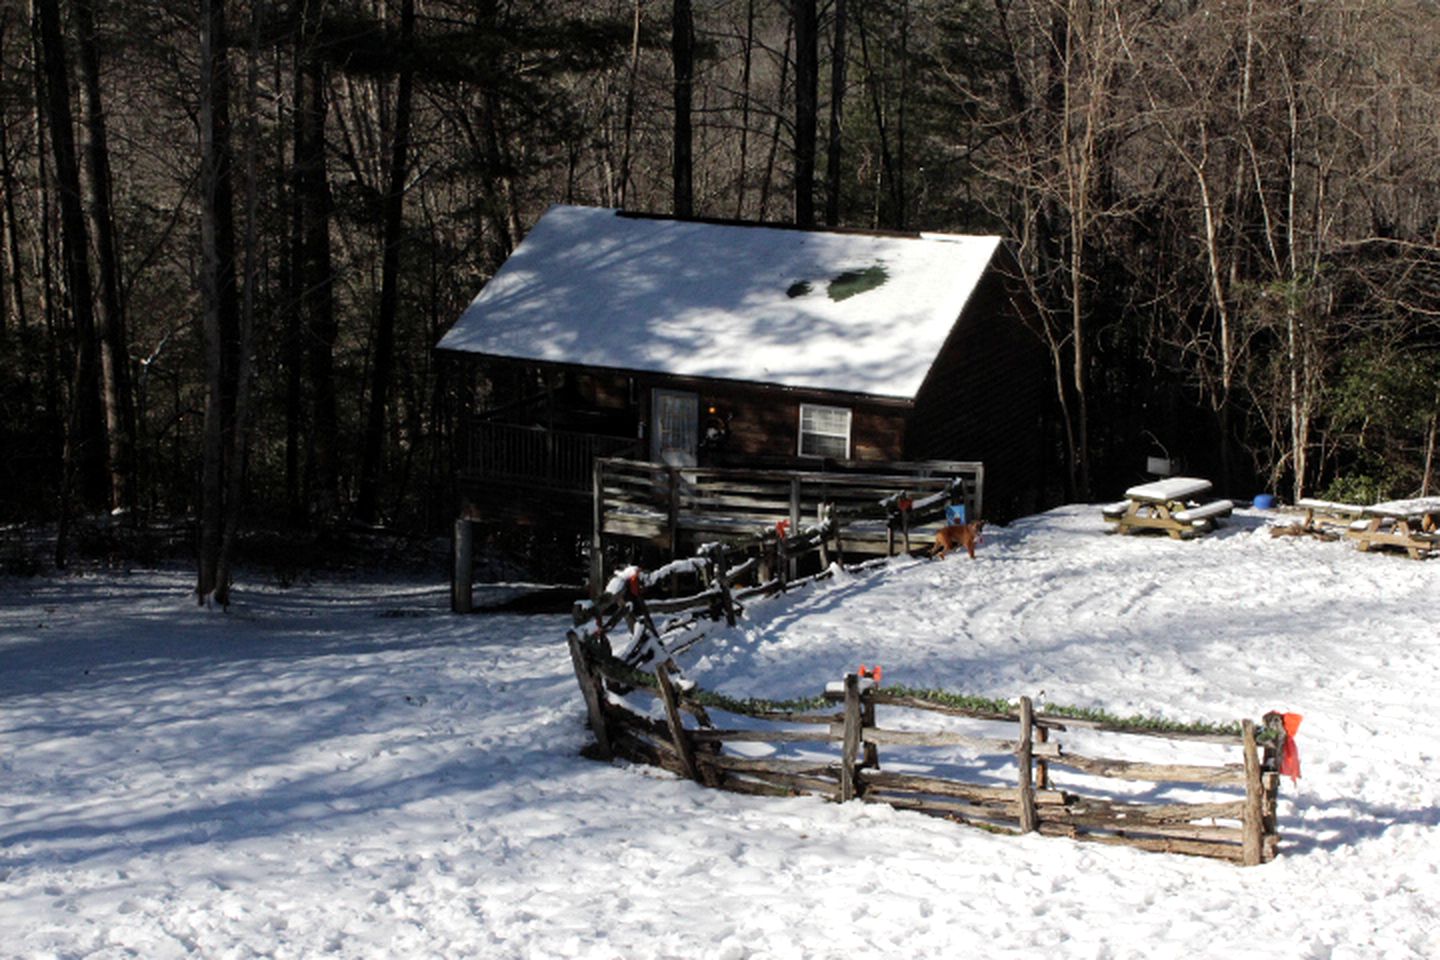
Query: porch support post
<point x="463" y="570"/>
<point x="597" y="528"/>
<point x="790" y="570"/>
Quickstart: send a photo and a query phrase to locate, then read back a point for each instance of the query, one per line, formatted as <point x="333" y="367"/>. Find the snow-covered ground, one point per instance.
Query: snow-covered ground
<point x="346" y="769"/>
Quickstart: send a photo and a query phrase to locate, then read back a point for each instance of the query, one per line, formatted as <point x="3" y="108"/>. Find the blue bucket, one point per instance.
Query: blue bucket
<point x="955" y="514"/>
<point x="1263" y="501"/>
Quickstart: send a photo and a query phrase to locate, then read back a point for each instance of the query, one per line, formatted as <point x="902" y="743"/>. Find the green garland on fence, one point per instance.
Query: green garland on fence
<point x="944" y="698"/>
<point x="1093" y="714"/>
<point x="748" y="706"/>
<point x="1143" y="724"/>
<point x="758" y="706"/>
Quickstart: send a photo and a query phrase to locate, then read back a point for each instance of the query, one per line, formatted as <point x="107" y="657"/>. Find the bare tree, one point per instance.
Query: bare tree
<point x="217" y="284"/>
<point x="110" y="317"/>
<point x="373" y="459"/>
<point x="807" y="107"/>
<point x="12" y="267"/>
<point x="317" y="294"/>
<point x="682" y="55"/>
<point x="85" y="440"/>
<point x="838" y="59"/>
<point x="237" y="450"/>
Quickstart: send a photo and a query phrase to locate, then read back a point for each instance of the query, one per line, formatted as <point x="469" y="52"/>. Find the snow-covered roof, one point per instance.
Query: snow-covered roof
<point x="800" y="308"/>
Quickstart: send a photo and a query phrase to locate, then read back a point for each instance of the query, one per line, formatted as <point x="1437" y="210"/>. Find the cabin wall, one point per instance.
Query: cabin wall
<point x="762" y="424"/>
<point x="986" y="398"/>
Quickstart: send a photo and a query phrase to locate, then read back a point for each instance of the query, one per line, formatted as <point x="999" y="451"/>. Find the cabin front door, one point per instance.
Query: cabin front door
<point x="675" y="427"/>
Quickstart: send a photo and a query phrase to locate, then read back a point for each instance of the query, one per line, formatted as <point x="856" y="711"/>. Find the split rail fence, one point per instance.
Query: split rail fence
<point x="1001" y="767"/>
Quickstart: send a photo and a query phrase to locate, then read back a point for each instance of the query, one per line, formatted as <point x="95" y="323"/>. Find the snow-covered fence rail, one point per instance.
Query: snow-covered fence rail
<point x="662" y="610"/>
<point x="1007" y="780"/>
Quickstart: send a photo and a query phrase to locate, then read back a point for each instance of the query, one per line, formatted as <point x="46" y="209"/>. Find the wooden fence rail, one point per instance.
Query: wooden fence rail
<point x="1054" y="791"/>
<point x="1236" y="822"/>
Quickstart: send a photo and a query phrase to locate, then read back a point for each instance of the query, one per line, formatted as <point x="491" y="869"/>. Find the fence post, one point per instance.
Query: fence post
<point x="827" y="530"/>
<point x="1023" y="755"/>
<point x="905" y="517"/>
<point x="592" y="691"/>
<point x="1270" y="765"/>
<point x="892" y="507"/>
<point x="1252" y="844"/>
<point x="851" y="743"/>
<point x="720" y="571"/>
<point x="1042" y="766"/>
<point x="673" y="518"/>
<point x="870" y="752"/>
<point x="782" y="560"/>
<point x="672" y="719"/>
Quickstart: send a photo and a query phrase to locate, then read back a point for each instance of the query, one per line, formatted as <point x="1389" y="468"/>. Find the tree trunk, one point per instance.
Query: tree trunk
<point x="240" y="430"/>
<point x="807" y="82"/>
<point x="1429" y="470"/>
<point x="293" y="282"/>
<point x="887" y="171"/>
<point x="217" y="287"/>
<point x="775" y="132"/>
<point x="86" y="441"/>
<point x="901" y="220"/>
<point x="837" y="118"/>
<point x="317" y="298"/>
<point x="628" y="123"/>
<point x="114" y="348"/>
<point x="47" y="294"/>
<point x="12" y="267"/>
<point x="746" y="60"/>
<point x="372" y="463"/>
<point x="682" y="54"/>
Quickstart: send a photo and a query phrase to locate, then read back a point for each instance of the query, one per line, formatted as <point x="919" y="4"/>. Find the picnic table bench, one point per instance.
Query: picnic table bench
<point x="1411" y="525"/>
<point x="1167" y="505"/>
<point x="1319" y="514"/>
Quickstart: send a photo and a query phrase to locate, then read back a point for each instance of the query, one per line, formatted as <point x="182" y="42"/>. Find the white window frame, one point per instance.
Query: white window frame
<point x="808" y="411"/>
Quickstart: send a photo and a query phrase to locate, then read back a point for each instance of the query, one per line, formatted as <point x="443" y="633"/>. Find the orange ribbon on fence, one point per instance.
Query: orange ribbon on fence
<point x="1289" y="724"/>
<point x="1290" y="753"/>
<point x="871" y="674"/>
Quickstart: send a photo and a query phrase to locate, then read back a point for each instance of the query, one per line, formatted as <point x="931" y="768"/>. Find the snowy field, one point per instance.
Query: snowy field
<point x="345" y="769"/>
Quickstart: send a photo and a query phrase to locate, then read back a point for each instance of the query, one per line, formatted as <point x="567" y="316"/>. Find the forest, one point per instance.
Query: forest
<point x="231" y="232"/>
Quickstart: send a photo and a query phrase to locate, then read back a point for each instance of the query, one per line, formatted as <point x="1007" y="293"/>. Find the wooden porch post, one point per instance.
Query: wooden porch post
<point x="462" y="570"/>
<point x="790" y="569"/>
<point x="597" y="528"/>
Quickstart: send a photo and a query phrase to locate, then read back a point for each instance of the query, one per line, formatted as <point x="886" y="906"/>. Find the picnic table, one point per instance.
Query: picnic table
<point x="1411" y="525"/>
<point x="1169" y="506"/>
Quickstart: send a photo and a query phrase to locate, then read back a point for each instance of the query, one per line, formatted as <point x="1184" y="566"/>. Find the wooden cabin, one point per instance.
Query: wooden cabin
<point x="697" y="343"/>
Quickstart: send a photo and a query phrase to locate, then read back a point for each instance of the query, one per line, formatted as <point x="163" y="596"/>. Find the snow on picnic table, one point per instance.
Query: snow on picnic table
<point x="345" y="769"/>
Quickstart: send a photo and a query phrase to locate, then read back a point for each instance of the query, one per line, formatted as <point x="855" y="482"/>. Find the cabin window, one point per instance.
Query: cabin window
<point x="824" y="431"/>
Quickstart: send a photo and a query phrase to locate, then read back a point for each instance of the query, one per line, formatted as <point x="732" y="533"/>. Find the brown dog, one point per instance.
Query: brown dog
<point x="957" y="535"/>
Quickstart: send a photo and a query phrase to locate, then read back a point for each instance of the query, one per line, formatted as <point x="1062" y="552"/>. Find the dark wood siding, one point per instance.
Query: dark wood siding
<point x="764" y="422"/>
<point x="985" y="399"/>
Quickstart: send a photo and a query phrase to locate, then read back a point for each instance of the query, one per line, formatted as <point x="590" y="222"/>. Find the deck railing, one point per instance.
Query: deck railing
<point x="552" y="459"/>
<point x="680" y="507"/>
